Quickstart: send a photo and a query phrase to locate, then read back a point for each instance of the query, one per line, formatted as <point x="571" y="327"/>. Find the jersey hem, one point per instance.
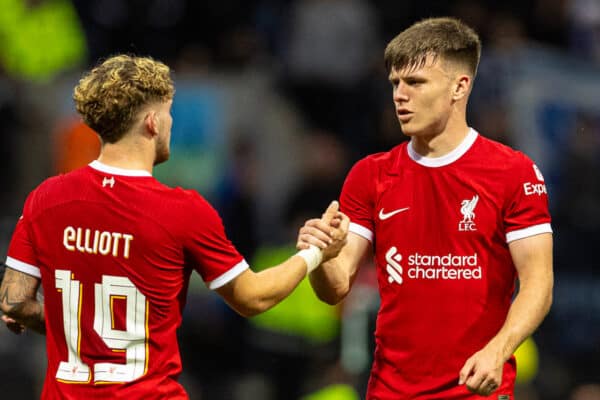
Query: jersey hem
<point x="530" y="231"/>
<point x="361" y="231"/>
<point x="23" y="267"/>
<point x="229" y="275"/>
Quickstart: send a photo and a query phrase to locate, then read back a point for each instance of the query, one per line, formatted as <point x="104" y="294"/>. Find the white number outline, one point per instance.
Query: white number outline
<point x="133" y="340"/>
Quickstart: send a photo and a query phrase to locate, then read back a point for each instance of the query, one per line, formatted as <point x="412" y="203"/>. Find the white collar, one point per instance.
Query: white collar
<point x="446" y="159"/>
<point x="97" y="165"/>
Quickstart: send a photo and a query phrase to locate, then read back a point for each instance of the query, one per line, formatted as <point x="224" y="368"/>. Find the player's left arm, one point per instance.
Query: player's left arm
<point x="18" y="300"/>
<point x="532" y="257"/>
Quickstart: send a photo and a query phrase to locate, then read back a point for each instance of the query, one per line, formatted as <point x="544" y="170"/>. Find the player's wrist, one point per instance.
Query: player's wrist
<point x="313" y="256"/>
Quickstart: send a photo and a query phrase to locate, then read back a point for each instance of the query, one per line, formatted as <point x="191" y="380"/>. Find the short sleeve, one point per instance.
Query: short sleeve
<point x="357" y="200"/>
<point x="207" y="247"/>
<point x="21" y="252"/>
<point x="527" y="212"/>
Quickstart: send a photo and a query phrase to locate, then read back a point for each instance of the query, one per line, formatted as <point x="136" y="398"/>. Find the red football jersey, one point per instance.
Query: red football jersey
<point x="440" y="229"/>
<point x="115" y="249"/>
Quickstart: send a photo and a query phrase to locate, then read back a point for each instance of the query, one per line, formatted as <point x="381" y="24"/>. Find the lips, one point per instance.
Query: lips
<point x="404" y="115"/>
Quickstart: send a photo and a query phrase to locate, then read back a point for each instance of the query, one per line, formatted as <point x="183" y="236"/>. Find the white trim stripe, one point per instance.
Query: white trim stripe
<point x="530" y="231"/>
<point x="23" y="267"/>
<point x="97" y="165"/>
<point x="361" y="231"/>
<point x="229" y="275"/>
<point x="446" y="159"/>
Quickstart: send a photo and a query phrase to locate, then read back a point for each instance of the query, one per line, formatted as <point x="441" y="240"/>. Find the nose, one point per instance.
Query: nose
<point x="400" y="94"/>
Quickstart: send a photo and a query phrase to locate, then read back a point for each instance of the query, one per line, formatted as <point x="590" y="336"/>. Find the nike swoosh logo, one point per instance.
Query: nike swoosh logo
<point x="384" y="215"/>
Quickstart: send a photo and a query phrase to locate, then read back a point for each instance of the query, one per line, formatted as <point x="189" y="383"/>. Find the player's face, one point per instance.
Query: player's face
<point x="422" y="98"/>
<point x="165" y="122"/>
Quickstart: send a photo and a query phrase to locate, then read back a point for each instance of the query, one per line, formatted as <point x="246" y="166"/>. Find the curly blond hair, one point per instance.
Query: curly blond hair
<point x="444" y="37"/>
<point x="111" y="94"/>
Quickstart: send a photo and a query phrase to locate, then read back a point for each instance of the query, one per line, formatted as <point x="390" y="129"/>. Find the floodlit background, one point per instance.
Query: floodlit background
<point x="275" y="101"/>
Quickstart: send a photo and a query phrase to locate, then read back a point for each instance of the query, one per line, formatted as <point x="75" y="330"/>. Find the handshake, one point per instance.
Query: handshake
<point x="320" y="240"/>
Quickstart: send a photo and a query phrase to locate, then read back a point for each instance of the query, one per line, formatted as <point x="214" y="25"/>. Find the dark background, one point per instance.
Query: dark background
<point x="275" y="101"/>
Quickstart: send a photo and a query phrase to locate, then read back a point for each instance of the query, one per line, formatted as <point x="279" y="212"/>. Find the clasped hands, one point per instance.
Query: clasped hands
<point x="329" y="233"/>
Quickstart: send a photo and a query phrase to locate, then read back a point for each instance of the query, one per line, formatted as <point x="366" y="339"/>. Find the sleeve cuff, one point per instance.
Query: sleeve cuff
<point x="229" y="275"/>
<point x="23" y="267"/>
<point x="526" y="232"/>
<point x="361" y="231"/>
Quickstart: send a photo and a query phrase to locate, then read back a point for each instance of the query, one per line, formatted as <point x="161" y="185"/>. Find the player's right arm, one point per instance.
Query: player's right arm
<point x="252" y="293"/>
<point x="334" y="278"/>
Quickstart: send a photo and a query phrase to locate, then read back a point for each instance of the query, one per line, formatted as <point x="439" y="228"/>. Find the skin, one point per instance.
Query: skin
<point x="145" y="145"/>
<point x="431" y="104"/>
<point x="19" y="304"/>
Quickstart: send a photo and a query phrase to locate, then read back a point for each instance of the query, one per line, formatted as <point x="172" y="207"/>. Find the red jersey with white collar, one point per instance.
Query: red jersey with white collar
<point x="440" y="229"/>
<point x="115" y="249"/>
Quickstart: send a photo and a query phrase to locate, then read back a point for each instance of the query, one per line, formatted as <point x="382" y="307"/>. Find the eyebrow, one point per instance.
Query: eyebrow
<point x="410" y="75"/>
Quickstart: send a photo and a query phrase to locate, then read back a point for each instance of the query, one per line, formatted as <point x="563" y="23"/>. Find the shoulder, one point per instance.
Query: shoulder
<point x="191" y="204"/>
<point x="382" y="161"/>
<point x="54" y="188"/>
<point x="503" y="155"/>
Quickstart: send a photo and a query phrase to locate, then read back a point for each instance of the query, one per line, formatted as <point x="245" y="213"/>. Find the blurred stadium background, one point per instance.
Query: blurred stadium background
<point x="275" y="100"/>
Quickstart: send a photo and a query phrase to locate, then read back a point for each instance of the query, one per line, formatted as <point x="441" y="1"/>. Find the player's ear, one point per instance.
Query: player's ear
<point x="461" y="87"/>
<point x="151" y="122"/>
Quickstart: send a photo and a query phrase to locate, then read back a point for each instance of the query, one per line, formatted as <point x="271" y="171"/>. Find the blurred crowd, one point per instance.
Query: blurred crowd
<point x="275" y="100"/>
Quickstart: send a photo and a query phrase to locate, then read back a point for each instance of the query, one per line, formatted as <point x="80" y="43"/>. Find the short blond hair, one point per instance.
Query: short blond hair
<point x="445" y="37"/>
<point x="110" y="95"/>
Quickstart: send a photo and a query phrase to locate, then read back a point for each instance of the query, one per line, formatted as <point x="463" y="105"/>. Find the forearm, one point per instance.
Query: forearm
<point x="532" y="257"/>
<point x="18" y="299"/>
<point x="526" y="313"/>
<point x="253" y="293"/>
<point x="331" y="282"/>
<point x="275" y="283"/>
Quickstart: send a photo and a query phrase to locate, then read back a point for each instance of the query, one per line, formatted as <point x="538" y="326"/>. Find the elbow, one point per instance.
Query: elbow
<point x="252" y="308"/>
<point x="332" y="297"/>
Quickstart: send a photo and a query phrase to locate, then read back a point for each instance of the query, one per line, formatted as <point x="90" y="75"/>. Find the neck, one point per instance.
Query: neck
<point x="127" y="154"/>
<point x="443" y="142"/>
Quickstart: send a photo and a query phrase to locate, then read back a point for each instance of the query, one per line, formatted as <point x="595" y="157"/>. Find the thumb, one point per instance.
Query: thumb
<point x="331" y="211"/>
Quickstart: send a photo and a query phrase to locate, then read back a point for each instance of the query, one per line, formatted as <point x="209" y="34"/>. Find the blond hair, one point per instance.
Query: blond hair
<point x="446" y="37"/>
<point x="111" y="94"/>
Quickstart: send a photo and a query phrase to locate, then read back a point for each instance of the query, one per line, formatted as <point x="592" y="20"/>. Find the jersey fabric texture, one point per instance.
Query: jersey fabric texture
<point x="115" y="249"/>
<point x="440" y="229"/>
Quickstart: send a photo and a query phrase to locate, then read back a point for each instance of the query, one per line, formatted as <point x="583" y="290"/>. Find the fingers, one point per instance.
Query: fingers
<point x="331" y="211"/>
<point x="314" y="232"/>
<point x="484" y="388"/>
<point x="466" y="371"/>
<point x="13" y="325"/>
<point x="475" y="383"/>
<point x="345" y="222"/>
<point x="332" y="227"/>
<point x="477" y="379"/>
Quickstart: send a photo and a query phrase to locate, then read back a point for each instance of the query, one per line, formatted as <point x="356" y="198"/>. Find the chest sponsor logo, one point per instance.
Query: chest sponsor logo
<point x="383" y="215"/>
<point x="431" y="267"/>
<point x="504" y="397"/>
<point x="467" y="209"/>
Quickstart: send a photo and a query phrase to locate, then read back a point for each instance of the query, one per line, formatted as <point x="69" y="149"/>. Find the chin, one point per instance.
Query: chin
<point x="408" y="131"/>
<point x="161" y="158"/>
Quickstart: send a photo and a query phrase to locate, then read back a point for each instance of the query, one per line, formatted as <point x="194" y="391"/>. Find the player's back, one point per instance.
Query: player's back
<point x="111" y="252"/>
